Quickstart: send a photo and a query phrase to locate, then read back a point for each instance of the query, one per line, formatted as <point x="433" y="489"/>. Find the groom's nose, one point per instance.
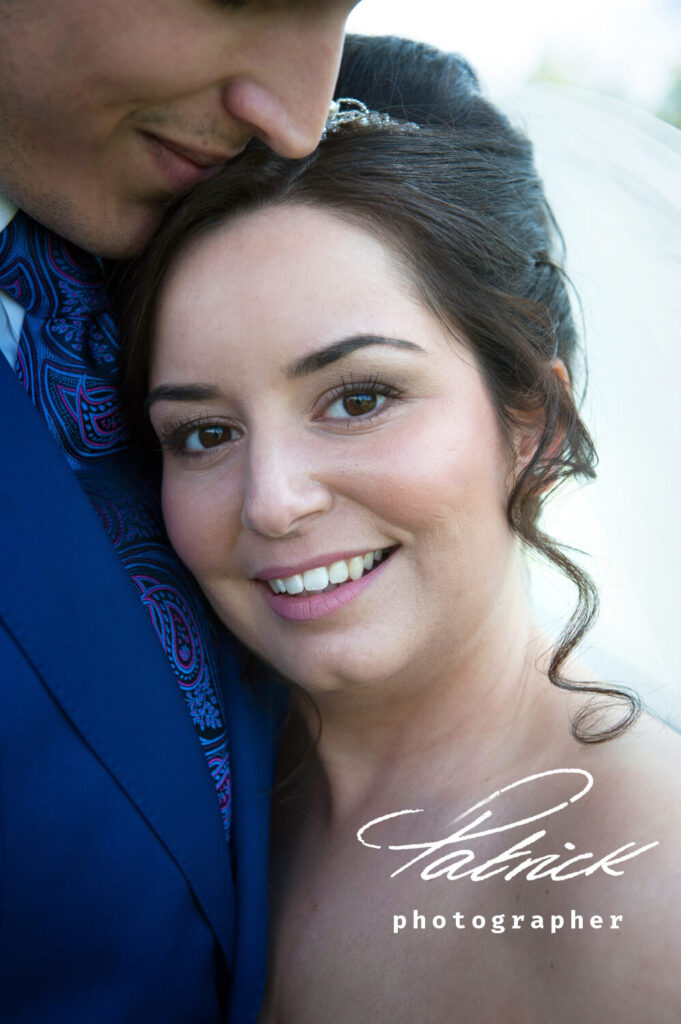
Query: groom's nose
<point x="289" y="69"/>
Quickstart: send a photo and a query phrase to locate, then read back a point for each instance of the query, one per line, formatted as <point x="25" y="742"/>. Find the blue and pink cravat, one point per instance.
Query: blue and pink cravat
<point x="68" y="362"/>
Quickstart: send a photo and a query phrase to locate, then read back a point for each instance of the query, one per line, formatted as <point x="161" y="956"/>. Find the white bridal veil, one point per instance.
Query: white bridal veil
<point x="613" y="178"/>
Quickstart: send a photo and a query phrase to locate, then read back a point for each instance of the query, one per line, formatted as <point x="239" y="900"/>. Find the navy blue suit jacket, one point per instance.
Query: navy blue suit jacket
<point x="119" y="901"/>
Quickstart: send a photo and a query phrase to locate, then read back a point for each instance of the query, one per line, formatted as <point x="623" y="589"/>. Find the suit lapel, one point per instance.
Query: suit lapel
<point x="67" y="592"/>
<point x="255" y="714"/>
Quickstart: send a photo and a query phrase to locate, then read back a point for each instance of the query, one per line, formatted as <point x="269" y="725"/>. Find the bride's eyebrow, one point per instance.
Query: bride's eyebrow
<point x="180" y="393"/>
<point x="330" y="353"/>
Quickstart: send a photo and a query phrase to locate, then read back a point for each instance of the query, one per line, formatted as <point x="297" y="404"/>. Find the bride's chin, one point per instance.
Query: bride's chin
<point x="366" y="678"/>
<point x="329" y="682"/>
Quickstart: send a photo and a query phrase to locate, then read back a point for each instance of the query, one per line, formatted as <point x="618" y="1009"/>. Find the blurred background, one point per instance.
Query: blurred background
<point x="627" y="49"/>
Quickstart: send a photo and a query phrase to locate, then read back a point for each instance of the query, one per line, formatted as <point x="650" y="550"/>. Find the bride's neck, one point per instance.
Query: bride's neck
<point x="454" y="720"/>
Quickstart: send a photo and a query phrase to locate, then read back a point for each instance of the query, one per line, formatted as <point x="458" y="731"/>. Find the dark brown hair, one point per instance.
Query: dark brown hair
<point x="459" y="200"/>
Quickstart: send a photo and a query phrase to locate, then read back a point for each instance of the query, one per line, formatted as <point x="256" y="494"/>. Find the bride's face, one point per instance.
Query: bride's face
<point x="313" y="412"/>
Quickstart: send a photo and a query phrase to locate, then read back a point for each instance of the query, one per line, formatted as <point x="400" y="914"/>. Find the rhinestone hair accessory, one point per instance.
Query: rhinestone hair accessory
<point x="347" y="110"/>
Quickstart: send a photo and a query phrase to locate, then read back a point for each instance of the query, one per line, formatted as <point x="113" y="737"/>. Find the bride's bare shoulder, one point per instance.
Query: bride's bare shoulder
<point x="639" y="771"/>
<point x="636" y="791"/>
<point x="633" y="815"/>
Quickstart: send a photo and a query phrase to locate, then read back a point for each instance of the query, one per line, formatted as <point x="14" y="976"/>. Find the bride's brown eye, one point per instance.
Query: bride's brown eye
<point x="209" y="437"/>
<point x="358" y="405"/>
<point x="202" y="438"/>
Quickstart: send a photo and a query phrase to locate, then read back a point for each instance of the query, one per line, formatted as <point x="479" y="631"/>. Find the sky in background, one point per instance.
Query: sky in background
<point x="627" y="48"/>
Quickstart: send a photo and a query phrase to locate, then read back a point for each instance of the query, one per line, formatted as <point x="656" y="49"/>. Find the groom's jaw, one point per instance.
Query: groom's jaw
<point x="82" y="81"/>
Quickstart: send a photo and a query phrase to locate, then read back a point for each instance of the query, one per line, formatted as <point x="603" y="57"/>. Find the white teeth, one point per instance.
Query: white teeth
<point x="320" y="578"/>
<point x="338" y="572"/>
<point x="294" y="584"/>
<point x="356" y="567"/>
<point x="316" y="579"/>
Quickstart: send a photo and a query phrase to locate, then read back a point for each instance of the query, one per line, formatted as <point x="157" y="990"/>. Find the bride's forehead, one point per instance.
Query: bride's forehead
<point x="289" y="266"/>
<point x="293" y="234"/>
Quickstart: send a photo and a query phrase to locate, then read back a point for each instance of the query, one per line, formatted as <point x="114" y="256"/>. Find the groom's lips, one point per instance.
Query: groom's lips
<point x="183" y="167"/>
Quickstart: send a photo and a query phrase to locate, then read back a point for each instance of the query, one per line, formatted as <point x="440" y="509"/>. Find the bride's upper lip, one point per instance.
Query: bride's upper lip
<point x="201" y="157"/>
<point x="274" y="572"/>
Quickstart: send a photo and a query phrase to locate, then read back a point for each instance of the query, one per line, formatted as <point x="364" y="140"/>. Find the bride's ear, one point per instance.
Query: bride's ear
<point x="530" y="426"/>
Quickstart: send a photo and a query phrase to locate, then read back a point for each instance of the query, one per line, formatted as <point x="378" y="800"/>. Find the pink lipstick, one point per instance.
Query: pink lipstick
<point x="308" y="607"/>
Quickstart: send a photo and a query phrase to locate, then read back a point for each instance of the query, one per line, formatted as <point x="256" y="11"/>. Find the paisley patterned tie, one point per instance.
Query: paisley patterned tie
<point x="68" y="362"/>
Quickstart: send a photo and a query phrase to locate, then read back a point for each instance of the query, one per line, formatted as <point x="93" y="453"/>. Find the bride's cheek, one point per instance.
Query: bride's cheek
<point x="405" y="472"/>
<point x="197" y="520"/>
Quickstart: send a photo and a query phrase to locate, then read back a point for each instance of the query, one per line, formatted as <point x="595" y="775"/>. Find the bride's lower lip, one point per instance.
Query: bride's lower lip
<point x="306" y="607"/>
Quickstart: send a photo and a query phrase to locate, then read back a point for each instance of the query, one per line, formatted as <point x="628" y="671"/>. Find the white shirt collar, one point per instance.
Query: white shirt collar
<point x="7" y="211"/>
<point x="11" y="313"/>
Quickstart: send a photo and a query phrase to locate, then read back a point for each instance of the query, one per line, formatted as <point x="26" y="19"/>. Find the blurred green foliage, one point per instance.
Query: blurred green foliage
<point x="561" y="73"/>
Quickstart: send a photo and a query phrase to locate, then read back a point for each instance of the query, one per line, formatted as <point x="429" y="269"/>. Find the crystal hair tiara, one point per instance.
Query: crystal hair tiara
<point x="346" y="110"/>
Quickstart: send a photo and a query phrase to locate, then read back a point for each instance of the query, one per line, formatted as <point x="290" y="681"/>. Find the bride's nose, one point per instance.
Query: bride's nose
<point x="281" y="488"/>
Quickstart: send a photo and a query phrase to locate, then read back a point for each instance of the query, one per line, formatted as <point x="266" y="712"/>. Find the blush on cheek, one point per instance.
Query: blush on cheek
<point x="425" y="478"/>
<point x="190" y="529"/>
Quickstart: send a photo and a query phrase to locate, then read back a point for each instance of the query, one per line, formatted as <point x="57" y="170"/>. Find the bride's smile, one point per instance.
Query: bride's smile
<point x="306" y="594"/>
<point x="335" y="474"/>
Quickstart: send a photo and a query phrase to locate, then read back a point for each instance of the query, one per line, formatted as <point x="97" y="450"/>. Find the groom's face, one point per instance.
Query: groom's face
<point x="108" y="108"/>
